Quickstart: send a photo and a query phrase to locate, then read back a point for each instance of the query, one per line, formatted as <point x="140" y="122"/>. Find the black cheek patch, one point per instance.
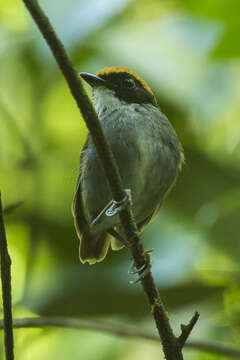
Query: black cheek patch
<point x="136" y="95"/>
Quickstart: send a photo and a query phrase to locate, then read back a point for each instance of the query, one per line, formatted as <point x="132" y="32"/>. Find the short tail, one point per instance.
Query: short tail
<point x="93" y="248"/>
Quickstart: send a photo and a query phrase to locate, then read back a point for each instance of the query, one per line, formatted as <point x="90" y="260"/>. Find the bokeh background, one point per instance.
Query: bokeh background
<point x="188" y="51"/>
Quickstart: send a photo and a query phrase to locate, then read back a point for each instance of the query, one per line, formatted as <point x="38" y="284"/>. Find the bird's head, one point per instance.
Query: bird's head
<point x="119" y="85"/>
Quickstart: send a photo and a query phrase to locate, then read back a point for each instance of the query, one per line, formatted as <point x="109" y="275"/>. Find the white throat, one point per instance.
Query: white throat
<point x="105" y="99"/>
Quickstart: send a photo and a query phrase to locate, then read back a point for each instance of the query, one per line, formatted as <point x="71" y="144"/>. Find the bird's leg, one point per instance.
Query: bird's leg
<point x="144" y="269"/>
<point x="114" y="207"/>
<point x="118" y="237"/>
<point x="100" y="216"/>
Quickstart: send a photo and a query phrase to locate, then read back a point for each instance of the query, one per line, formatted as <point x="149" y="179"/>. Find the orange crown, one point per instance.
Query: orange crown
<point x="119" y="69"/>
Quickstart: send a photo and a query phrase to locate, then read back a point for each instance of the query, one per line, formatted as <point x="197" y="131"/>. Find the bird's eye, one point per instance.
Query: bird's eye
<point x="130" y="83"/>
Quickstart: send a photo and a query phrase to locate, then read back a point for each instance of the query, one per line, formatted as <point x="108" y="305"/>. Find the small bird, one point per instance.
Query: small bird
<point x="146" y="149"/>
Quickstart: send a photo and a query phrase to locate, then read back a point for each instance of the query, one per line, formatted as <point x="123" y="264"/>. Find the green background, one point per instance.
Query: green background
<point x="188" y="51"/>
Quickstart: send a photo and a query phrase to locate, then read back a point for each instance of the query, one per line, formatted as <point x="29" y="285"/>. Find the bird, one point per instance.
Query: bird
<point x="147" y="151"/>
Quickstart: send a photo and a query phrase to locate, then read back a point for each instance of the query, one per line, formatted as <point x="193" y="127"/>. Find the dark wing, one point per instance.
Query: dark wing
<point x="92" y="249"/>
<point x="80" y="221"/>
<point x="149" y="218"/>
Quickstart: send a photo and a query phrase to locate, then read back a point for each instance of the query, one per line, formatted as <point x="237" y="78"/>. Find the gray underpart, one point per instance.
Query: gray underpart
<point x="147" y="153"/>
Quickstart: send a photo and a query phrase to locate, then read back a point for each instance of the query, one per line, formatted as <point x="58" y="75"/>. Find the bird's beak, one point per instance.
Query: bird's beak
<point x="93" y="80"/>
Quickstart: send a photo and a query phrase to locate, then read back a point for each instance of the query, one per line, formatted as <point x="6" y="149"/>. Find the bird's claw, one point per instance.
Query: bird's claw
<point x="144" y="270"/>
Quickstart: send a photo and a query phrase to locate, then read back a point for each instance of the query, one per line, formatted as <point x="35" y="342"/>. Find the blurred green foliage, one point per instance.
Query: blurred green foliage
<point x="188" y="52"/>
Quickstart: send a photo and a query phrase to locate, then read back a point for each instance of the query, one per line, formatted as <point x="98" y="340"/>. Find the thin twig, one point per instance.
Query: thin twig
<point x="12" y="207"/>
<point x="12" y="123"/>
<point x="116" y="329"/>
<point x="6" y="289"/>
<point x="171" y="347"/>
<point x="186" y="329"/>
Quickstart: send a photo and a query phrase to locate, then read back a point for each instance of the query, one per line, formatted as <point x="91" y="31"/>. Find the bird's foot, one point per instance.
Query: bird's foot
<point x="117" y="236"/>
<point x="144" y="270"/>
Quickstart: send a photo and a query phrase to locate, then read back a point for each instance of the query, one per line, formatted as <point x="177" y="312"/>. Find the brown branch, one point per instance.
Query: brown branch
<point x="186" y="329"/>
<point x="6" y="289"/>
<point x="171" y="347"/>
<point x="116" y="329"/>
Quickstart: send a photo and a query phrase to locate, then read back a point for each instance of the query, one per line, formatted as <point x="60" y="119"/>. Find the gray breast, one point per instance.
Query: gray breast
<point x="146" y="149"/>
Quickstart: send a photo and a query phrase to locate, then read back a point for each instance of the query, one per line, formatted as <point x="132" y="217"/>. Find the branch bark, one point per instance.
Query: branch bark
<point x="116" y="329"/>
<point x="171" y="347"/>
<point x="6" y="289"/>
<point x="186" y="329"/>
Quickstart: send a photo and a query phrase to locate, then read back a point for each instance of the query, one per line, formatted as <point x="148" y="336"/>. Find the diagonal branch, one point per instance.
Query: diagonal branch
<point x="186" y="329"/>
<point x="6" y="289"/>
<point x="12" y="207"/>
<point x="171" y="347"/>
<point x="128" y="331"/>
